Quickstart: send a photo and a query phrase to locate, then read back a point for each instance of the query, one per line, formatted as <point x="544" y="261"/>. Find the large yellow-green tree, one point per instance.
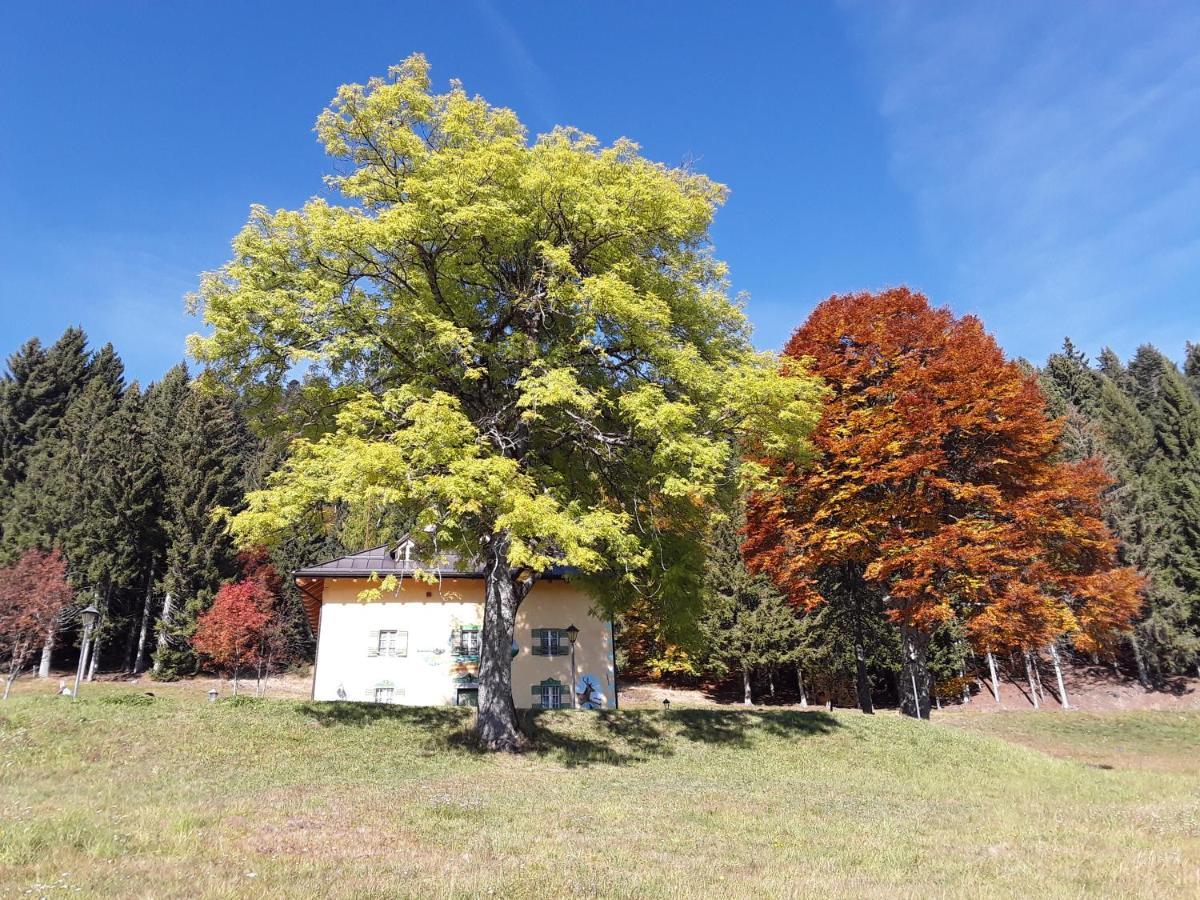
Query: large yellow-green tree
<point x="526" y="344"/>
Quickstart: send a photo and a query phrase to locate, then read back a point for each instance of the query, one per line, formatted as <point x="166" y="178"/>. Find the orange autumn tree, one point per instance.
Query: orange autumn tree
<point x="938" y="486"/>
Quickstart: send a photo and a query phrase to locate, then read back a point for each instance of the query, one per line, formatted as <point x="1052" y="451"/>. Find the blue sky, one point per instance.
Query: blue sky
<point x="1036" y="164"/>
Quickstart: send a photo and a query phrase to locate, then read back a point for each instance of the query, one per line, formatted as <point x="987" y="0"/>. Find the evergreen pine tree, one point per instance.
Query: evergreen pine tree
<point x="1191" y="368"/>
<point x="747" y="627"/>
<point x="202" y="472"/>
<point x="1166" y="515"/>
<point x="34" y="395"/>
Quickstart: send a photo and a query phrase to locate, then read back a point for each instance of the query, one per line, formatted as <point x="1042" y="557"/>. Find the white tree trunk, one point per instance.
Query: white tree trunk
<point x="771" y="684"/>
<point x="163" y="622"/>
<point x="48" y="648"/>
<point x="93" y="658"/>
<point x="139" y="661"/>
<point x="746" y="698"/>
<point x="1062" y="687"/>
<point x="1032" y="684"/>
<point x="995" y="681"/>
<point x="800" y="681"/>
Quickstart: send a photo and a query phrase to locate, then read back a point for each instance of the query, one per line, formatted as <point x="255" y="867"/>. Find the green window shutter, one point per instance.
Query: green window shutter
<point x="539" y="649"/>
<point x="401" y="643"/>
<point x="372" y="646"/>
<point x="456" y="642"/>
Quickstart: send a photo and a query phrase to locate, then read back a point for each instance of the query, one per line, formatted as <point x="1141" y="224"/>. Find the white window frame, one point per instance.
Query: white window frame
<point x="551" y="696"/>
<point x="552" y="642"/>
<point x="470" y="641"/>
<point x="389" y="640"/>
<point x="389" y="694"/>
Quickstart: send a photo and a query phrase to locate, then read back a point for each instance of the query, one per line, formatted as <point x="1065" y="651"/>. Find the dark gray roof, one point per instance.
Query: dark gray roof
<point x="389" y="559"/>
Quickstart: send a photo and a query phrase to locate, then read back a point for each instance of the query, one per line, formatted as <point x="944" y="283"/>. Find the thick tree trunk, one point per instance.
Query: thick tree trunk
<point x="163" y="622"/>
<point x="991" y="658"/>
<point x="496" y="726"/>
<point x="862" y="682"/>
<point x="747" y="699"/>
<point x="48" y="648"/>
<point x="1062" y="685"/>
<point x="914" y="676"/>
<point x="1029" y="677"/>
<point x="800" y="682"/>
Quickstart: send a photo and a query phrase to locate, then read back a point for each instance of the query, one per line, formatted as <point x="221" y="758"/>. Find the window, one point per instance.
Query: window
<point x="552" y="696"/>
<point x="465" y="641"/>
<point x="550" y="642"/>
<point x="549" y="694"/>
<point x="387" y="642"/>
<point x="384" y="692"/>
<point x="470" y="643"/>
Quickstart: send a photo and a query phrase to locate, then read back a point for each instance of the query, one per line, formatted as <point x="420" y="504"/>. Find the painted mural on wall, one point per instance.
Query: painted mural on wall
<point x="588" y="692"/>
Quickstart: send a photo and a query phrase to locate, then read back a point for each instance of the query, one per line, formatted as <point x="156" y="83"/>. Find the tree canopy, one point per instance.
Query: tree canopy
<point x="938" y="481"/>
<point x="529" y="345"/>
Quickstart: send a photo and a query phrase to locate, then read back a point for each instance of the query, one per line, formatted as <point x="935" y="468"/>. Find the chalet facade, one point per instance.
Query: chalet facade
<point x="419" y="644"/>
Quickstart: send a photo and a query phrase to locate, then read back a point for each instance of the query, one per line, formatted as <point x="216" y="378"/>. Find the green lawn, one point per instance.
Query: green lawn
<point x="173" y="796"/>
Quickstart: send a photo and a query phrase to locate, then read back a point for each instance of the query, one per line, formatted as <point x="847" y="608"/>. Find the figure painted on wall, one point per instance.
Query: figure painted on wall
<point x="588" y="693"/>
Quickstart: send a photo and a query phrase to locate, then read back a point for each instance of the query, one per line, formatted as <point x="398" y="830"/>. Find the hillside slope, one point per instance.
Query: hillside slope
<point x="124" y="794"/>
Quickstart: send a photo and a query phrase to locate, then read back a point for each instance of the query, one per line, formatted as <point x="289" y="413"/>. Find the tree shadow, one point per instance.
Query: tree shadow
<point x="624" y="737"/>
<point x="577" y="738"/>
<point x="335" y="713"/>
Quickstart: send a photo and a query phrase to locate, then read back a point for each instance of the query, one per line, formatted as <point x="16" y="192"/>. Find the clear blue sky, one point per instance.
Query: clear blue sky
<point x="1036" y="164"/>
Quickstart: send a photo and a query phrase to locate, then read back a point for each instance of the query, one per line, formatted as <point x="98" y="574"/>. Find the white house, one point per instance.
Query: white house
<point x="419" y="644"/>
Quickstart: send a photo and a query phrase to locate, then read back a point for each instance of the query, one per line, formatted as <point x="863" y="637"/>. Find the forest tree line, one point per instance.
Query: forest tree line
<point x="123" y="482"/>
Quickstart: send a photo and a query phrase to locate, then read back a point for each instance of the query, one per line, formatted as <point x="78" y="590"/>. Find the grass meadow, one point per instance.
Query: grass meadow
<point x="123" y="794"/>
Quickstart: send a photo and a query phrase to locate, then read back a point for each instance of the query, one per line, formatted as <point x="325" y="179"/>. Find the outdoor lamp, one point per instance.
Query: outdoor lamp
<point x="572" y="634"/>
<point x="90" y="617"/>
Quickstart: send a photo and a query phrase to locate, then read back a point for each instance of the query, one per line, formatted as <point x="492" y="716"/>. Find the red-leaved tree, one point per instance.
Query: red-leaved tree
<point x="938" y="486"/>
<point x="242" y="629"/>
<point x="33" y="593"/>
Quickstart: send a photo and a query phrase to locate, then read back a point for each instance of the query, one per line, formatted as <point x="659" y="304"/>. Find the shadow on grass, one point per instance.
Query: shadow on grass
<point x="624" y="737"/>
<point x="609" y="737"/>
<point x="360" y="715"/>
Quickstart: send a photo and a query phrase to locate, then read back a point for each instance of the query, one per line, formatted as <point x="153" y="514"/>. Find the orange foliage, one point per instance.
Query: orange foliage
<point x="241" y="629"/>
<point x="937" y="473"/>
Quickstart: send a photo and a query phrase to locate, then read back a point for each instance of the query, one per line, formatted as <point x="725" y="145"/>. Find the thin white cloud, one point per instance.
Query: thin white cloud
<point x="532" y="79"/>
<point x="1053" y="155"/>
